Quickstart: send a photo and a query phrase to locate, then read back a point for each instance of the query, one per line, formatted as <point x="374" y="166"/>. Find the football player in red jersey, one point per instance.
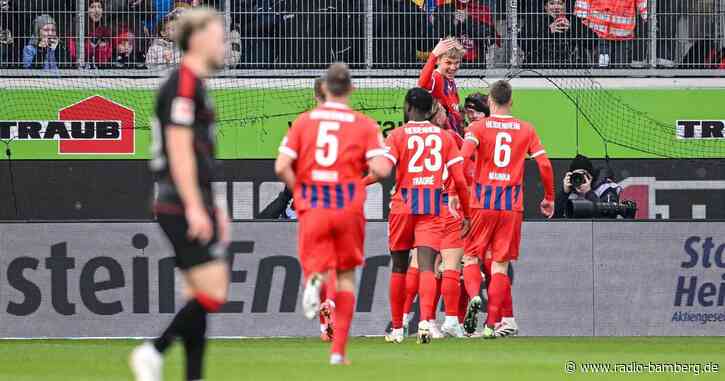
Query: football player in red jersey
<point x="421" y="151"/>
<point x="501" y="144"/>
<point x="451" y="251"/>
<point x="323" y="158"/>
<point x="327" y="291"/>
<point x="438" y="77"/>
<point x="452" y="246"/>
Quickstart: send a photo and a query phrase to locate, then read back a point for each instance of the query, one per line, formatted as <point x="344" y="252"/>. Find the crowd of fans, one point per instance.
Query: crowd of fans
<point x="137" y="34"/>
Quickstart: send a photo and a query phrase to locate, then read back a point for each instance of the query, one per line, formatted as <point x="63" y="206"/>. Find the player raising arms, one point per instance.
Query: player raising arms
<point x="501" y="144"/>
<point x="183" y="164"/>
<point x="323" y="158"/>
<point x="421" y="152"/>
<point x="440" y="81"/>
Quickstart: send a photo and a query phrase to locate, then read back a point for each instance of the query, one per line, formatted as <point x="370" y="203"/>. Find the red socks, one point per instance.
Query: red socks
<point x="472" y="280"/>
<point x="498" y="289"/>
<point x="462" y="303"/>
<point x="412" y="278"/>
<point x="427" y="295"/>
<point x="397" y="298"/>
<point x="344" y="307"/>
<point x="451" y="290"/>
<point x="507" y="311"/>
<point x="487" y="263"/>
<point x="436" y="302"/>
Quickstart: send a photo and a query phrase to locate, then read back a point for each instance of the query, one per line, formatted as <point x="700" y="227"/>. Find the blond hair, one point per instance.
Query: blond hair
<point x="192" y="21"/>
<point x="456" y="52"/>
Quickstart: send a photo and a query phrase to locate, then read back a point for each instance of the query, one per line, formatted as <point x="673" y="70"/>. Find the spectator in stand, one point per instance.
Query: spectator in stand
<point x="124" y="51"/>
<point x="162" y="8"/>
<point x="548" y="36"/>
<point x="45" y="50"/>
<point x="7" y="47"/>
<point x="98" y="48"/>
<point x="706" y="25"/>
<point x="475" y="28"/>
<point x="26" y="11"/>
<point x="8" y="50"/>
<point x="398" y="28"/>
<point x="668" y="16"/>
<point x="131" y="16"/>
<point x="233" y="49"/>
<point x="163" y="52"/>
<point x="614" y="22"/>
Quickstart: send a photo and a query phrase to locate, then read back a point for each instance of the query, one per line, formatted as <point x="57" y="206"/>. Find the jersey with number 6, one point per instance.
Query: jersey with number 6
<point x="503" y="143"/>
<point x="421" y="151"/>
<point x="331" y="146"/>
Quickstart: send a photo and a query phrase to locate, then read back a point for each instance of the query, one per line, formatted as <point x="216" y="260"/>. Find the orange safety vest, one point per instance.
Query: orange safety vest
<point x="611" y="19"/>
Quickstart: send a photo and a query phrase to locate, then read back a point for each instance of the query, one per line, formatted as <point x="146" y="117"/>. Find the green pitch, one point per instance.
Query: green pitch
<point x="521" y="358"/>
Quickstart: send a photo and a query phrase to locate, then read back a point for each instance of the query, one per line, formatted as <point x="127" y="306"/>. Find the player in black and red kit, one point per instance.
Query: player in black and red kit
<point x="183" y="164"/>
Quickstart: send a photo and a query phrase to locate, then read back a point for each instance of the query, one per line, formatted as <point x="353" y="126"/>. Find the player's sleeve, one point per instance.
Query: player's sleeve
<point x="290" y="145"/>
<point x="454" y="164"/>
<point x="535" y="147"/>
<point x="392" y="151"/>
<point x="182" y="107"/>
<point x="453" y="154"/>
<point x="374" y="142"/>
<point x="472" y="136"/>
<point x="470" y="143"/>
<point x="427" y="79"/>
<point x="537" y="152"/>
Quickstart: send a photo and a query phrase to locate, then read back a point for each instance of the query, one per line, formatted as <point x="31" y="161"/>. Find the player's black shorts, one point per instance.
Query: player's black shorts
<point x="189" y="253"/>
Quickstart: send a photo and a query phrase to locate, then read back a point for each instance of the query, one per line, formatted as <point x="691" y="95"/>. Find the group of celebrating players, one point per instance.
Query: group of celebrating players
<point x="457" y="202"/>
<point x="458" y="197"/>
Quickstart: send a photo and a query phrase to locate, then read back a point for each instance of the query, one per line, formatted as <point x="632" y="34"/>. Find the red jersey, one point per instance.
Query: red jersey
<point x="448" y="180"/>
<point x="331" y="145"/>
<point x="421" y="151"/>
<point x="503" y="143"/>
<point x="444" y="90"/>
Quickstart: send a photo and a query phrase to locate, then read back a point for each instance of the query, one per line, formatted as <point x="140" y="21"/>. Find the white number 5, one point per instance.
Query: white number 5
<point x="327" y="144"/>
<point x="503" y="147"/>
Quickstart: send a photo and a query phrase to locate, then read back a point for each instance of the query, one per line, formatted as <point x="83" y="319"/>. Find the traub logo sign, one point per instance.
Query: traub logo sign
<point x="95" y="125"/>
<point x="700" y="129"/>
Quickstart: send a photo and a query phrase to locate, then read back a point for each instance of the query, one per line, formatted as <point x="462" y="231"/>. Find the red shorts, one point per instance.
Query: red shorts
<point x="452" y="233"/>
<point x="516" y="237"/>
<point x="330" y="240"/>
<point x="498" y="231"/>
<point x="406" y="231"/>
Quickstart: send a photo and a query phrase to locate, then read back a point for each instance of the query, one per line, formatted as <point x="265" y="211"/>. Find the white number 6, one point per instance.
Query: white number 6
<point x="503" y="141"/>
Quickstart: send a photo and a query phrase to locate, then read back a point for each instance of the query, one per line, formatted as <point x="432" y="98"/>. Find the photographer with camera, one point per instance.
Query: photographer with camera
<point x="590" y="193"/>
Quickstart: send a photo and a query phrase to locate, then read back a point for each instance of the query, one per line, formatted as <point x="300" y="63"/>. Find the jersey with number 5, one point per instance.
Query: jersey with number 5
<point x="331" y="146"/>
<point x="503" y="143"/>
<point x="421" y="151"/>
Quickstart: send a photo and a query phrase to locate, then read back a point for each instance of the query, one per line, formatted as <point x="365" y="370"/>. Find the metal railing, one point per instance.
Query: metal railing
<point x="394" y="37"/>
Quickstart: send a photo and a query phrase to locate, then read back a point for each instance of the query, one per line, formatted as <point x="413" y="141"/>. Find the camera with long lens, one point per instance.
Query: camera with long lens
<point x="587" y="209"/>
<point x="577" y="179"/>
